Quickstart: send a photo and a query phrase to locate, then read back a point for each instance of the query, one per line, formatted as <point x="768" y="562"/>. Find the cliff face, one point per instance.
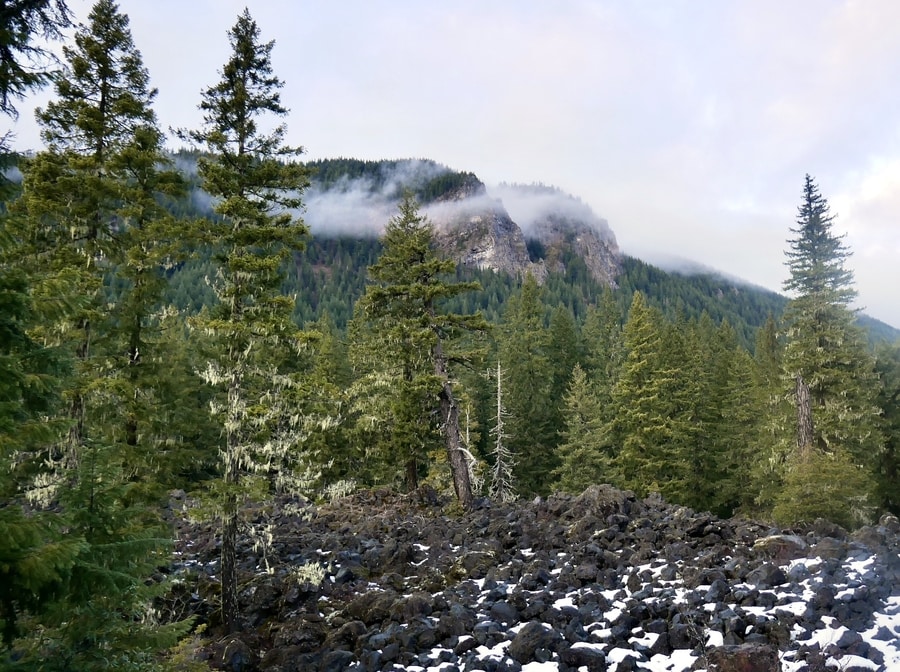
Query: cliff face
<point x="476" y="229"/>
<point x="562" y="236"/>
<point x="509" y="229"/>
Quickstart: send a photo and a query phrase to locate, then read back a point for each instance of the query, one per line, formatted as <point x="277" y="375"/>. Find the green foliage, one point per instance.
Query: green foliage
<point x="24" y="59"/>
<point x="425" y="180"/>
<point x="533" y="426"/>
<point x="583" y="455"/>
<point x="825" y="348"/>
<point x="675" y="294"/>
<point x="887" y="469"/>
<point x="256" y="182"/>
<point x="405" y="345"/>
<point x="824" y="485"/>
<point x="651" y="400"/>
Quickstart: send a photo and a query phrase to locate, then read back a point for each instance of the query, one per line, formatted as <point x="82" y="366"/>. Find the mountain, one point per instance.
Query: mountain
<point x="497" y="234"/>
<point x="474" y="226"/>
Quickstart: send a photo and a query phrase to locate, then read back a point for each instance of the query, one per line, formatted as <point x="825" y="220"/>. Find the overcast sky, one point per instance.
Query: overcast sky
<point x="688" y="125"/>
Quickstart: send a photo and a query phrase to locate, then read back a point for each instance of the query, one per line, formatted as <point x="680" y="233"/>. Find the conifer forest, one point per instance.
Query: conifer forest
<point x="150" y="345"/>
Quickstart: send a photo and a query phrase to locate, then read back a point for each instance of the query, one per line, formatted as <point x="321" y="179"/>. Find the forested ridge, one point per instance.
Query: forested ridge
<point x="148" y="345"/>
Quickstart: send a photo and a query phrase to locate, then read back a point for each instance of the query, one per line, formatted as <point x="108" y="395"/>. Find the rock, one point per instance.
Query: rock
<point x="531" y="640"/>
<point x="504" y="612"/>
<point x="744" y="658"/>
<point x="336" y="661"/>
<point x="584" y="656"/>
<point x="829" y="547"/>
<point x="412" y="585"/>
<point x="767" y="575"/>
<point x="781" y="547"/>
<point x="237" y="656"/>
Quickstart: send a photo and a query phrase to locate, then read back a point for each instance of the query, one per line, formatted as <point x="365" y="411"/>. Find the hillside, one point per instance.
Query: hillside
<point x="496" y="236"/>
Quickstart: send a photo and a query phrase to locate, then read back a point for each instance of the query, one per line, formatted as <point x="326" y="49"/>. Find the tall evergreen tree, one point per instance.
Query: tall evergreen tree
<point x="826" y="362"/>
<point x="532" y="428"/>
<point x="73" y="209"/>
<point x="887" y="472"/>
<point x="651" y="424"/>
<point x="256" y="181"/>
<point x="416" y="342"/>
<point x="602" y="339"/>
<point x="96" y="129"/>
<point x="584" y="459"/>
<point x="35" y="556"/>
<point x="23" y="58"/>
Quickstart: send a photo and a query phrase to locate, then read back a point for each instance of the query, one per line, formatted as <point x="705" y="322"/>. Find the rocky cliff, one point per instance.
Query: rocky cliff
<point x="475" y="230"/>
<point x="545" y="231"/>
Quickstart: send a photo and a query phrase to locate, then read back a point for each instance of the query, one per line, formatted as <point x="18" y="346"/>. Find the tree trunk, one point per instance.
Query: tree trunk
<point x="230" y="608"/>
<point x="458" y="465"/>
<point x="412" y="475"/>
<point x="450" y="419"/>
<point x="804" y="418"/>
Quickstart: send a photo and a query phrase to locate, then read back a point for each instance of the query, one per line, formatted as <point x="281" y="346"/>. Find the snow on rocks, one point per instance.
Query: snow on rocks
<point x="601" y="581"/>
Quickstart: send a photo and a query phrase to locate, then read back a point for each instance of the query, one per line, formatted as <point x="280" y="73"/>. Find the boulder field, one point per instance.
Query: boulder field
<point x="598" y="581"/>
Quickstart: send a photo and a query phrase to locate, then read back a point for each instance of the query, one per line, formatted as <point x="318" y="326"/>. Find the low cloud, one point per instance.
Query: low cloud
<point x="529" y="205"/>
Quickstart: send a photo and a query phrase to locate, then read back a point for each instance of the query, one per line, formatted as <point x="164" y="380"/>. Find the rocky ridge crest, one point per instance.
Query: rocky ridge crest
<point x="476" y="229"/>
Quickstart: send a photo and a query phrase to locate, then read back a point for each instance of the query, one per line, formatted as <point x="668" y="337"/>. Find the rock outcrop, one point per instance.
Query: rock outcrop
<point x="475" y="229"/>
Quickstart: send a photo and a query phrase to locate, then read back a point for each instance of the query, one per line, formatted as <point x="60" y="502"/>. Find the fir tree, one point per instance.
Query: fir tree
<point x="887" y="472"/>
<point x="71" y="216"/>
<point x="649" y="424"/>
<point x="602" y="339"/>
<point x="582" y="452"/>
<point x="77" y="192"/>
<point x="36" y="557"/>
<point x="23" y="59"/>
<point x="826" y="356"/>
<point x="524" y="343"/>
<point x="415" y="342"/>
<point x="256" y="181"/>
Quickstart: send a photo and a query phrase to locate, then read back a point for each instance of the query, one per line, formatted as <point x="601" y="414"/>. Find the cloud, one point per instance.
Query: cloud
<point x="529" y="206"/>
<point x="363" y="206"/>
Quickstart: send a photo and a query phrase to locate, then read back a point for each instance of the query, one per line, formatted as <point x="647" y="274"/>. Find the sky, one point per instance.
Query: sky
<point x="688" y="125"/>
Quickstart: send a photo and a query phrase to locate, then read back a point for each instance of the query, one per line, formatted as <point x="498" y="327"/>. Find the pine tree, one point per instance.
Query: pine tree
<point x="77" y="194"/>
<point x="24" y="59"/>
<point x="650" y="425"/>
<point x="887" y="472"/>
<point x="602" y="338"/>
<point x="415" y="342"/>
<point x="727" y="412"/>
<point x="36" y="557"/>
<point x="256" y="182"/>
<point x="524" y="342"/>
<point x="68" y="221"/>
<point x="563" y="351"/>
<point x="826" y="359"/>
<point x="582" y="451"/>
<point x="774" y="434"/>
